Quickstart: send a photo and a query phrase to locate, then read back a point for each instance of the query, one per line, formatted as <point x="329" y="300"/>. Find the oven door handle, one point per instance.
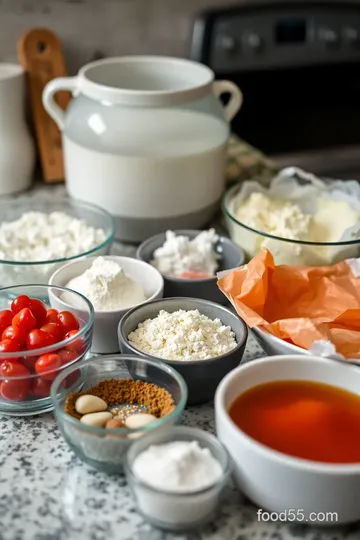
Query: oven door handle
<point x="236" y="97"/>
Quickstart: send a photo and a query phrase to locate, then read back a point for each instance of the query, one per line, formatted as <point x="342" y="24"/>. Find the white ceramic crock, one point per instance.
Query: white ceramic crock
<point x="295" y="489"/>
<point x="17" y="154"/>
<point x="145" y="138"/>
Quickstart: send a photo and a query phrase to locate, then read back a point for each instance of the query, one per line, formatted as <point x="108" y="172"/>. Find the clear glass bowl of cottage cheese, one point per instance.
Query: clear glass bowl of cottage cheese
<point x="299" y="218"/>
<point x="38" y="235"/>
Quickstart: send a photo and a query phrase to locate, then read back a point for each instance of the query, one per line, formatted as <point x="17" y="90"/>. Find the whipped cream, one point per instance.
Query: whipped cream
<point x="179" y="254"/>
<point x="106" y="286"/>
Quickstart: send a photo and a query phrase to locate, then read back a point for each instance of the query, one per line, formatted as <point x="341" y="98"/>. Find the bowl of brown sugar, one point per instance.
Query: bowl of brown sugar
<point x="104" y="403"/>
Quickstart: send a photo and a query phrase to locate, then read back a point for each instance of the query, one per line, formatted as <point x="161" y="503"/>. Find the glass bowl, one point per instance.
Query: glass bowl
<point x="30" y="394"/>
<point x="20" y="272"/>
<point x="100" y="447"/>
<point x="284" y="251"/>
<point x="173" y="510"/>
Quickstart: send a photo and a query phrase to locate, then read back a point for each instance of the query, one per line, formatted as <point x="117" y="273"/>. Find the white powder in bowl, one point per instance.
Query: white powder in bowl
<point x="106" y="286"/>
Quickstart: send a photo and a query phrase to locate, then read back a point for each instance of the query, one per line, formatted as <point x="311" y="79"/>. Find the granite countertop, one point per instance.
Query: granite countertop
<point x="47" y="493"/>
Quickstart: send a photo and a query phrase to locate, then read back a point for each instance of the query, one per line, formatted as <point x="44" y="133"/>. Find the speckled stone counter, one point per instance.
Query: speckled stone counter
<point x="46" y="493"/>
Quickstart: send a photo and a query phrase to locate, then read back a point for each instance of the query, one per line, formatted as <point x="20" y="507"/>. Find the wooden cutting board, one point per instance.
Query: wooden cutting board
<point x="40" y="54"/>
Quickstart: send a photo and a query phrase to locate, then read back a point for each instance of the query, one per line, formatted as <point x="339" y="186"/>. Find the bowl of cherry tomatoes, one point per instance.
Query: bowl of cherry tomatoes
<point x="37" y="341"/>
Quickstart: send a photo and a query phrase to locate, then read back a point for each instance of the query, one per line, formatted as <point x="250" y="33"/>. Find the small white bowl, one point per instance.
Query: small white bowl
<point x="316" y="493"/>
<point x="105" y="339"/>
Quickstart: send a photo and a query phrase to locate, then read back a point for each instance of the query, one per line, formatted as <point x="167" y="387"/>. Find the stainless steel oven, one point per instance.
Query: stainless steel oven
<point x="298" y="65"/>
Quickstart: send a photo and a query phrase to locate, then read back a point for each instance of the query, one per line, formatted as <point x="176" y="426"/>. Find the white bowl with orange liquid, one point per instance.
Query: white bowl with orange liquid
<point x="303" y="488"/>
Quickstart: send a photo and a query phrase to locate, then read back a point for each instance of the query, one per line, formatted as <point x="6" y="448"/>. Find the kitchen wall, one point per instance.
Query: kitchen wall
<point x="90" y="28"/>
<point x="93" y="28"/>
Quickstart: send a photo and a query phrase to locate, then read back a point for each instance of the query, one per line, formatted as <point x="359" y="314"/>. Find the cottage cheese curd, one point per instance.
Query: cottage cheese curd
<point x="183" y="335"/>
<point x="284" y="219"/>
<point x="37" y="236"/>
<point x="179" y="255"/>
<point x="106" y="286"/>
<point x="274" y="216"/>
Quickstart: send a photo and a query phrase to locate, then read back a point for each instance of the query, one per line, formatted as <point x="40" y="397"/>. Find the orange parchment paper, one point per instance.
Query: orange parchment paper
<point x="299" y="304"/>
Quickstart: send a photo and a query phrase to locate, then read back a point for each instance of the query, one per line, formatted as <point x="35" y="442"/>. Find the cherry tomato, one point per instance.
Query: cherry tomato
<point x="5" y="319"/>
<point x="13" y="369"/>
<point x="40" y="388"/>
<point x="48" y="363"/>
<point x="20" y="303"/>
<point x="39" y="311"/>
<point x="25" y="320"/>
<point x="54" y="330"/>
<point x="52" y="316"/>
<point x="9" y="345"/>
<point x="68" y="321"/>
<point x="77" y="345"/>
<point x="67" y="356"/>
<point x="14" y="390"/>
<point x="37" y="339"/>
<point x="29" y="362"/>
<point x="15" y="332"/>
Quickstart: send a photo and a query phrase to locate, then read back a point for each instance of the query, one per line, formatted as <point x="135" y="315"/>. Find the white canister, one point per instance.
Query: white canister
<point x="17" y="155"/>
<point x="145" y="138"/>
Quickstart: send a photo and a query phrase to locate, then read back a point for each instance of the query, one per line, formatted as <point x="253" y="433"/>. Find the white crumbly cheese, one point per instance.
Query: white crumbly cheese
<point x="274" y="216"/>
<point x="183" y="335"/>
<point x="106" y="286"/>
<point x="179" y="254"/>
<point x="285" y="219"/>
<point x="37" y="236"/>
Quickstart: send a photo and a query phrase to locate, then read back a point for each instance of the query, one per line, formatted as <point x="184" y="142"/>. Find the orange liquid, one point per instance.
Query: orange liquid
<point x="308" y="420"/>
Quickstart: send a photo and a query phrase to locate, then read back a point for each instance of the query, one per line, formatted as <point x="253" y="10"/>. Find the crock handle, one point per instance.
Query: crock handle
<point x="236" y="97"/>
<point x="50" y="105"/>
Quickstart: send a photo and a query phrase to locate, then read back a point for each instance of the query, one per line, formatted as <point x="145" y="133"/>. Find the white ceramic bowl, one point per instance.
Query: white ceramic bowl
<point x="317" y="493"/>
<point x="273" y="345"/>
<point x="105" y="339"/>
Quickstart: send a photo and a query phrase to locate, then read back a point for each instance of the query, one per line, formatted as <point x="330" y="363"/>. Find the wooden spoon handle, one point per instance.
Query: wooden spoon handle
<point x="40" y="54"/>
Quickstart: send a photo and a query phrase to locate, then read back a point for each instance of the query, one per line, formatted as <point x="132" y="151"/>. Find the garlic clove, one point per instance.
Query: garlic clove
<point x="89" y="404"/>
<point x="97" y="419"/>
<point x="136" y="421"/>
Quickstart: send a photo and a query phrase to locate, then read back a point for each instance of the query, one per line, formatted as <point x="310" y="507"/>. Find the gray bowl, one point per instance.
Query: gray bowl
<point x="232" y="256"/>
<point x="201" y="376"/>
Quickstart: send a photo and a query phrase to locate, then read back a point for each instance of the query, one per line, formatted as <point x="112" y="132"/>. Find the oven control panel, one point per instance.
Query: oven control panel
<point x="277" y="36"/>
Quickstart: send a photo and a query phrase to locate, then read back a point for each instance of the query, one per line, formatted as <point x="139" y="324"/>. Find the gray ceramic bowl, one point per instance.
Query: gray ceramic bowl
<point x="201" y="376"/>
<point x="232" y="256"/>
